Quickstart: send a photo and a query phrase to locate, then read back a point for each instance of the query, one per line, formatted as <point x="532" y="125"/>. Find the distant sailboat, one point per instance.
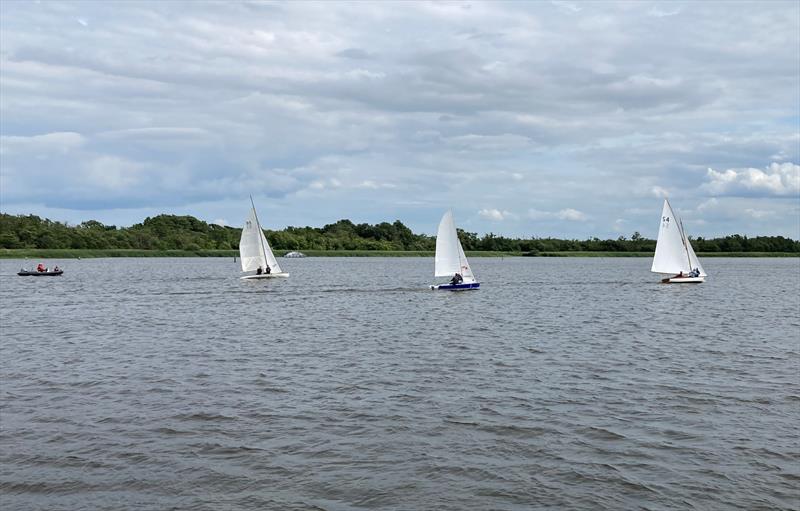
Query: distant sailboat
<point x="674" y="254"/>
<point x="254" y="250"/>
<point x="450" y="259"/>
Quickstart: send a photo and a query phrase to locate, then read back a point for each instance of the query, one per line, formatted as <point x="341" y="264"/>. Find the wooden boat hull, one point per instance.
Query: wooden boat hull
<point x="265" y="276"/>
<point x="456" y="287"/>
<point x="683" y="280"/>
<point x="40" y="273"/>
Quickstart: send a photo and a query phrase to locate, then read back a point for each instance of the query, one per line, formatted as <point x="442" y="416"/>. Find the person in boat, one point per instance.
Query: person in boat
<point x="41" y="268"/>
<point x="457" y="279"/>
<point x="56" y="268"/>
<point x="268" y="270"/>
<point x="695" y="273"/>
<point x="259" y="271"/>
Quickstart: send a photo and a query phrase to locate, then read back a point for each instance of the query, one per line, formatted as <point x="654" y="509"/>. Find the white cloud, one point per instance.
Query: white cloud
<point x="325" y="184"/>
<point x="661" y="193"/>
<point x="758" y="214"/>
<point x="61" y="142"/>
<point x="369" y="184"/>
<point x="711" y="203"/>
<point x="572" y="215"/>
<point x="221" y="222"/>
<point x="567" y="7"/>
<point x="778" y="179"/>
<point x="569" y="214"/>
<point x="113" y="173"/>
<point x="504" y="142"/>
<point x="495" y="214"/>
<point x="659" y="13"/>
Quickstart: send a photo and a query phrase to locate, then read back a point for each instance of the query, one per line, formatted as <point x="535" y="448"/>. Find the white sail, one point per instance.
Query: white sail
<point x="670" y="256"/>
<point x="695" y="263"/>
<point x="273" y="263"/>
<point x="674" y="253"/>
<point x="450" y="258"/>
<point x="254" y="250"/>
<point x="466" y="271"/>
<point x="250" y="252"/>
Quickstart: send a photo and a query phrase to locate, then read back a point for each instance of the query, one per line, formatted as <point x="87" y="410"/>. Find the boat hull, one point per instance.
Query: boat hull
<point x="40" y="273"/>
<point x="683" y="280"/>
<point x="265" y="276"/>
<point x="456" y="287"/>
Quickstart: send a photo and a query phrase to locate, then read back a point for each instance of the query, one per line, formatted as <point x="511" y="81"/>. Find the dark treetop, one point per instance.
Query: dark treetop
<point x="171" y="232"/>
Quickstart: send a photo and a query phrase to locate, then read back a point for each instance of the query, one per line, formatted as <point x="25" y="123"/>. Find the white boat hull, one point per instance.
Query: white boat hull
<point x="683" y="280"/>
<point x="265" y="276"/>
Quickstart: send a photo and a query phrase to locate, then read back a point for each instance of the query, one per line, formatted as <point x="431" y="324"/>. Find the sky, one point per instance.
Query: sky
<point x="566" y="119"/>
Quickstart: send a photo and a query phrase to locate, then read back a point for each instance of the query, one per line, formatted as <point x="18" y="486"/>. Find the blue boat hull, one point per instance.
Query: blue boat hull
<point x="457" y="287"/>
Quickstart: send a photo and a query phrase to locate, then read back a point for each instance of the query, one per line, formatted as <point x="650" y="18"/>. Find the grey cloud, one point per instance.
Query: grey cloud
<point x="605" y="102"/>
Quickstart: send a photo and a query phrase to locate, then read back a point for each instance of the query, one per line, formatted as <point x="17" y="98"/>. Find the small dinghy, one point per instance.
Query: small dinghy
<point x="34" y="273"/>
<point x="674" y="254"/>
<point x="450" y="260"/>
<point x="254" y="251"/>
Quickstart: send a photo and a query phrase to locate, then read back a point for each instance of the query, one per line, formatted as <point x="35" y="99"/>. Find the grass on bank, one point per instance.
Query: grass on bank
<point x="34" y="253"/>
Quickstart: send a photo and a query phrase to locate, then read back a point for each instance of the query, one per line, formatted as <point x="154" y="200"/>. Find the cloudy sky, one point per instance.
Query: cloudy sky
<point x="539" y="118"/>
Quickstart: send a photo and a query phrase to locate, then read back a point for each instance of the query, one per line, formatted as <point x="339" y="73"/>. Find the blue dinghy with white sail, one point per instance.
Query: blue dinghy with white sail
<point x="450" y="260"/>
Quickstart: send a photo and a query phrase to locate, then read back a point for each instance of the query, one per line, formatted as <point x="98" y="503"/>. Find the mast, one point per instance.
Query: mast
<point x="458" y="244"/>
<point x="685" y="247"/>
<point x="679" y="224"/>
<point x="261" y="233"/>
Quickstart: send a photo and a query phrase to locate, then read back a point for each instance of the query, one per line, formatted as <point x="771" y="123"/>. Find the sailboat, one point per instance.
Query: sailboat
<point x="450" y="259"/>
<point x="674" y="254"/>
<point x="254" y="250"/>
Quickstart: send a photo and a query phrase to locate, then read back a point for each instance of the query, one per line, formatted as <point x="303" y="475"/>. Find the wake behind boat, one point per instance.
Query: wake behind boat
<point x="674" y="254"/>
<point x="450" y="260"/>
<point x="254" y="251"/>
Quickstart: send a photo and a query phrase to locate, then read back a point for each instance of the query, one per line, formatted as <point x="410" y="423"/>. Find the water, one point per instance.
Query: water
<point x="561" y="384"/>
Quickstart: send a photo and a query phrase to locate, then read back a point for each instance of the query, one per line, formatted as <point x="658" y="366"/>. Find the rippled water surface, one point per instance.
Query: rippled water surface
<point x="561" y="384"/>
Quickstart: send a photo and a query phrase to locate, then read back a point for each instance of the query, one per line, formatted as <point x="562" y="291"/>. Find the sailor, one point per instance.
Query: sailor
<point x="41" y="268"/>
<point x="259" y="271"/>
<point x="695" y="273"/>
<point x="56" y="268"/>
<point x="457" y="279"/>
<point x="268" y="270"/>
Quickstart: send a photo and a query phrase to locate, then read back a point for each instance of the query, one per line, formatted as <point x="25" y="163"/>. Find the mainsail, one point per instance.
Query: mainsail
<point x="450" y="258"/>
<point x="674" y="253"/>
<point x="254" y="249"/>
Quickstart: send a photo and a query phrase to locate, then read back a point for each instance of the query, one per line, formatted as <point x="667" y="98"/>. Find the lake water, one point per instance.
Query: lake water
<point x="561" y="384"/>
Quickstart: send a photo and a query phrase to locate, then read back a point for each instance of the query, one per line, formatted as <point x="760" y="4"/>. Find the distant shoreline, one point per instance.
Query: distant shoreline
<point x="25" y="253"/>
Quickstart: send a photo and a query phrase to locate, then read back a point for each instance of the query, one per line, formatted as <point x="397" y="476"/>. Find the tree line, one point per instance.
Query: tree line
<point x="172" y="232"/>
